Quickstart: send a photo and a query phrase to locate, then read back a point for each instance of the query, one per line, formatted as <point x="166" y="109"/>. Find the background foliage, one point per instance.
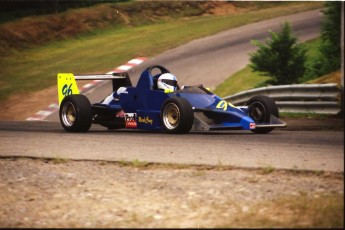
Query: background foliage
<point x="281" y="58"/>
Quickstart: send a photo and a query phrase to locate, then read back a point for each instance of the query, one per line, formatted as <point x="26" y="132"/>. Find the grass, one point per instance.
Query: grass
<point x="334" y="77"/>
<point x="134" y="163"/>
<point x="36" y="68"/>
<point x="312" y="47"/>
<point x="268" y="169"/>
<point x="59" y="160"/>
<point x="244" y="79"/>
<point x="300" y="211"/>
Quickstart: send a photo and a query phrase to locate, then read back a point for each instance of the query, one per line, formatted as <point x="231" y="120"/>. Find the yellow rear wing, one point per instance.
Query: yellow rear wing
<point x="67" y="84"/>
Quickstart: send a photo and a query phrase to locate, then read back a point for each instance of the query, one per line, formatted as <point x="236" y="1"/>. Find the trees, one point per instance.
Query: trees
<point x="328" y="58"/>
<point x="281" y="58"/>
<point x="330" y="49"/>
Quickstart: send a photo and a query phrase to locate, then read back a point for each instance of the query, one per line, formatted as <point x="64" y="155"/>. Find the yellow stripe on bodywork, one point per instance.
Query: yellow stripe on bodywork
<point x="168" y="90"/>
<point x="66" y="85"/>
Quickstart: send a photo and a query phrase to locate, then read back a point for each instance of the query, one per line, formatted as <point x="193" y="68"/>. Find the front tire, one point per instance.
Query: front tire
<point x="177" y="115"/>
<point x="260" y="109"/>
<point x="76" y="113"/>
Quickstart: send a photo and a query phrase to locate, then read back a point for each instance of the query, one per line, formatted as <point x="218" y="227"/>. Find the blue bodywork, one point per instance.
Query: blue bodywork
<point x="140" y="107"/>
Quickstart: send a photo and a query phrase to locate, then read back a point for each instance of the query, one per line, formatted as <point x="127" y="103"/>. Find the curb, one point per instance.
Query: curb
<point x="54" y="107"/>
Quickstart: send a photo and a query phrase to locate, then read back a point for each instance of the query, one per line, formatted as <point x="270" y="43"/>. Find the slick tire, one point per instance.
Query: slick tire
<point x="260" y="109"/>
<point x="76" y="113"/>
<point x="177" y="115"/>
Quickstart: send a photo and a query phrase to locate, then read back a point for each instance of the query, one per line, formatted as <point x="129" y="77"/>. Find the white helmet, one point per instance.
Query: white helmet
<point x="167" y="81"/>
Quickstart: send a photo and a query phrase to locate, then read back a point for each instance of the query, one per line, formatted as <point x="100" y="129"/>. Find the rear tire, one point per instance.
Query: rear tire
<point x="76" y="113"/>
<point x="177" y="115"/>
<point x="260" y="109"/>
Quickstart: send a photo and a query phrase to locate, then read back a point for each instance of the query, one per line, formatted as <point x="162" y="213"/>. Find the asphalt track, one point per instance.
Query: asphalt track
<point x="210" y="61"/>
<point x="283" y="149"/>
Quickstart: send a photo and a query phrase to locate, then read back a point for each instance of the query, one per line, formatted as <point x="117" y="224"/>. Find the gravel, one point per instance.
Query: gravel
<point x="57" y="193"/>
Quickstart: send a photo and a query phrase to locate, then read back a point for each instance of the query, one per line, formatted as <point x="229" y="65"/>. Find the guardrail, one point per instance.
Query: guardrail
<point x="302" y="98"/>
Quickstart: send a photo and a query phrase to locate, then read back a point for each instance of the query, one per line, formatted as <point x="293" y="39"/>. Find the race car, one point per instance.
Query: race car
<point x="158" y="103"/>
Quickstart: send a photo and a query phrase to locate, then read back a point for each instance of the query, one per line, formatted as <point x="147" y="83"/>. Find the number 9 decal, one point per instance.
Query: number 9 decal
<point x="224" y="105"/>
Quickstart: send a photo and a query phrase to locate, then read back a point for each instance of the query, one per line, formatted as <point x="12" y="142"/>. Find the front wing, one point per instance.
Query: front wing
<point x="209" y="119"/>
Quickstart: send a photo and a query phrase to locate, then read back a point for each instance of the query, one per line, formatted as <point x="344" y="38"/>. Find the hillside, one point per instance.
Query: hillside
<point x="31" y="31"/>
<point x="38" y="30"/>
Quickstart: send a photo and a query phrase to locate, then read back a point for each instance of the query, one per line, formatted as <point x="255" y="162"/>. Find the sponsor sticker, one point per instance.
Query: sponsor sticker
<point x="252" y="126"/>
<point x="131" y="120"/>
<point x="146" y="120"/>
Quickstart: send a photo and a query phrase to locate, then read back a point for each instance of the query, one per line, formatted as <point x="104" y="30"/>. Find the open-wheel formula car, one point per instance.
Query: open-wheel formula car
<point x="148" y="106"/>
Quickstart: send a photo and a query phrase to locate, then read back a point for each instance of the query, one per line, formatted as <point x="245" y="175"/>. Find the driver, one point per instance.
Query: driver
<point x="167" y="81"/>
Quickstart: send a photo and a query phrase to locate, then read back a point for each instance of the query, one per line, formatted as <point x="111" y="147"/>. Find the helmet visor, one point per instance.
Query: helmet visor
<point x="170" y="82"/>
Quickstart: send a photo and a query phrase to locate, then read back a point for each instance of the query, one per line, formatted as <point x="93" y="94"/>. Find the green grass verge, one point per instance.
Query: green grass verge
<point x="242" y="80"/>
<point x="35" y="69"/>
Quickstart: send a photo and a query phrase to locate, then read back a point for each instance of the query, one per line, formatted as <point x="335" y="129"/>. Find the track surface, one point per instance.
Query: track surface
<point x="303" y="150"/>
<point x="208" y="60"/>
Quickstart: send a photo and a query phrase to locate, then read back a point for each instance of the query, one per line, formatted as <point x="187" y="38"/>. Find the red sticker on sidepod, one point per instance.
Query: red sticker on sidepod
<point x="252" y="126"/>
<point x="131" y="120"/>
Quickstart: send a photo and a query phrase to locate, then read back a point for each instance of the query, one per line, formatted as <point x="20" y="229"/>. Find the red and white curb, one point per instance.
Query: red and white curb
<point x="129" y="65"/>
<point x="54" y="107"/>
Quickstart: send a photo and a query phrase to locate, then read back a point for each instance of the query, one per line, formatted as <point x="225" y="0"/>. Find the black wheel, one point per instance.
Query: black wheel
<point x="76" y="113"/>
<point x="260" y="109"/>
<point x="177" y="115"/>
